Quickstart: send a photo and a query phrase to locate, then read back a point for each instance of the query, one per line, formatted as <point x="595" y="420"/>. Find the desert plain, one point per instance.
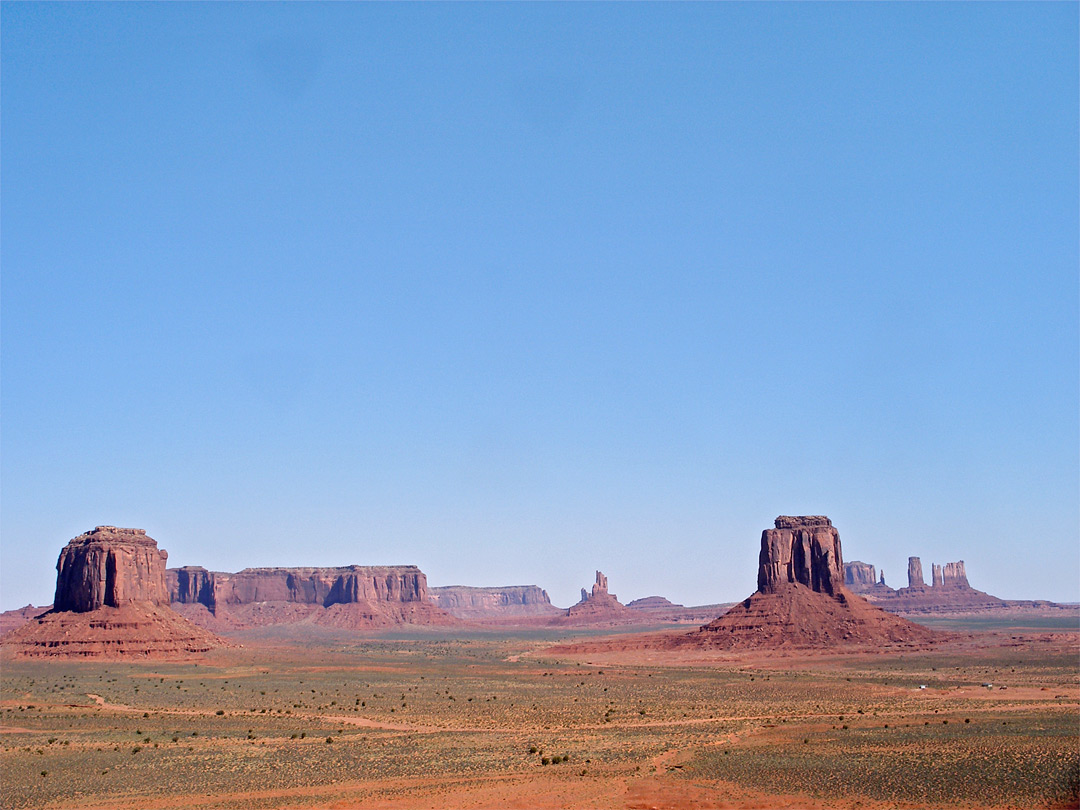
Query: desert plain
<point x="418" y="717"/>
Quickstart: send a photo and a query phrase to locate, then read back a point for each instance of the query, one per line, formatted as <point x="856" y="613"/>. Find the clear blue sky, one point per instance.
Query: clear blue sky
<point x="514" y="292"/>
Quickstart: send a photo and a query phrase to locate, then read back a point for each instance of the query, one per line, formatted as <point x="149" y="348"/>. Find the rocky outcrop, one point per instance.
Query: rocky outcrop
<point x="191" y="584"/>
<point x="954" y="575"/>
<point x="598" y="606"/>
<point x="110" y="567"/>
<point x="800" y="549"/>
<point x="652" y="603"/>
<point x="111" y="601"/>
<point x="859" y="575"/>
<point x="467" y="602"/>
<point x="801" y="600"/>
<point x="914" y="574"/>
<point x="369" y="595"/>
<point x="949" y="592"/>
<point x="10" y="619"/>
<point x="861" y="578"/>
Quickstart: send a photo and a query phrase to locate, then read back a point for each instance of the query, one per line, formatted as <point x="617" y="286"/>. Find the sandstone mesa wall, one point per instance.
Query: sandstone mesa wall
<point x="310" y="586"/>
<point x="494" y="600"/>
<point x="110" y="567"/>
<point x="803" y="549"/>
<point x="859" y="574"/>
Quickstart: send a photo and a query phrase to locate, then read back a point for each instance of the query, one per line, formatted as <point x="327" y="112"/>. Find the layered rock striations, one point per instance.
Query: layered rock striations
<point x="948" y="591"/>
<point x="859" y="575"/>
<point x="110" y="566"/>
<point x="805" y="550"/>
<point x="915" y="579"/>
<point x="862" y="578"/>
<point x="598" y="606"/>
<point x="111" y="600"/>
<point x="466" y="602"/>
<point x="348" y="596"/>
<point x="801" y="599"/>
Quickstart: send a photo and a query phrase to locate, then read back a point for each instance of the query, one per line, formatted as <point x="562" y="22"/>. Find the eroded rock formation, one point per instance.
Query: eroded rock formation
<point x="361" y="596"/>
<point x="801" y="600"/>
<point x="483" y="603"/>
<point x="954" y="575"/>
<point x="110" y="567"/>
<point x="652" y="603"/>
<point x="599" y="606"/>
<point x="914" y="573"/>
<point x="800" y="549"/>
<point x="949" y="592"/>
<point x="859" y="575"/>
<point x="111" y="600"/>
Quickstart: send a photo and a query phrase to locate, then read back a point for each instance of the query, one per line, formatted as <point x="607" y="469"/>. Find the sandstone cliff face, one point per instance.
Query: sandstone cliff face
<point x="801" y="600"/>
<point x="110" y="567"/>
<point x="914" y="573"/>
<point x="954" y="575"/>
<point x="480" y="603"/>
<point x="803" y="549"/>
<point x="190" y="585"/>
<point x="652" y="603"/>
<point x="309" y="586"/>
<point x="859" y="575"/>
<point x="949" y="592"/>
<point x="111" y="601"/>
<point x="599" y="606"/>
<point x="353" y="596"/>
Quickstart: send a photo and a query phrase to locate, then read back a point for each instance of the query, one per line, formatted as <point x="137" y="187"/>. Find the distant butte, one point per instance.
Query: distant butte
<point x="597" y="606"/>
<point x="801" y="600"/>
<point x="111" y="601"/>
<point x="949" y="591"/>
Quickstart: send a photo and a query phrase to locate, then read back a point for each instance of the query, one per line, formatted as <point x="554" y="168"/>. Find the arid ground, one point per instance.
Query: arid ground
<point x="425" y="719"/>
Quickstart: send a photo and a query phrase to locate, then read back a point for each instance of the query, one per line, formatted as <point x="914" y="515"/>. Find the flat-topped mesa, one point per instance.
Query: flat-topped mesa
<point x="110" y="567"/>
<point x="802" y="549"/>
<point x="309" y="586"/>
<point x="468" y="602"/>
<point x="859" y="574"/>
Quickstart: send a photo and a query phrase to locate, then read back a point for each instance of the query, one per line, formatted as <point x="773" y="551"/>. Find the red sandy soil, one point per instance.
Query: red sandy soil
<point x="132" y="631"/>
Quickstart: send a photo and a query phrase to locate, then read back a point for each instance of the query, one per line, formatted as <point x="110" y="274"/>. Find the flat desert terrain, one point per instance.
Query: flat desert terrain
<point x="530" y="718"/>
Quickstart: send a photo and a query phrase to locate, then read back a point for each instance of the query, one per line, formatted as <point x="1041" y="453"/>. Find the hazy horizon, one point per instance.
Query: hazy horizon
<point x="515" y="292"/>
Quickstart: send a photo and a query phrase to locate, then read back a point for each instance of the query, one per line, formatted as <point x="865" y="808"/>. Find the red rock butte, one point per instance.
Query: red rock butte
<point x="801" y="600"/>
<point x="112" y="601"/>
<point x="949" y="591"/>
<point x="598" y="606"/>
<point x="110" y="567"/>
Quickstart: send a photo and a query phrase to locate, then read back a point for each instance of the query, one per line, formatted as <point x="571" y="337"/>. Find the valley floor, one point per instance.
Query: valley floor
<point x="421" y="719"/>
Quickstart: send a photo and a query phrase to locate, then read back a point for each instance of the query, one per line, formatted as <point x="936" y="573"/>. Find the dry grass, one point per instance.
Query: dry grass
<point x="424" y="721"/>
